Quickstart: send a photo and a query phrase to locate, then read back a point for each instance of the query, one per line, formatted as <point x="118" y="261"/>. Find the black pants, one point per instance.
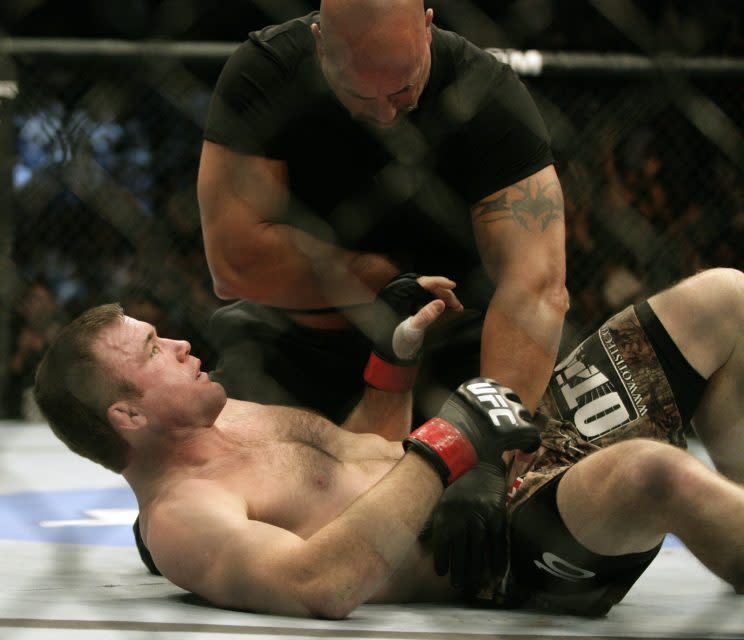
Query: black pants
<point x="264" y="357"/>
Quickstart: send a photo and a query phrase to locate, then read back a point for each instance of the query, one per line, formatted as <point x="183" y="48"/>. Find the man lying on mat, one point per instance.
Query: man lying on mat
<point x="278" y="510"/>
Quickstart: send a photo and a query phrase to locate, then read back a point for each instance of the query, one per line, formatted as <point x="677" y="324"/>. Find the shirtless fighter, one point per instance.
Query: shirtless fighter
<point x="277" y="510"/>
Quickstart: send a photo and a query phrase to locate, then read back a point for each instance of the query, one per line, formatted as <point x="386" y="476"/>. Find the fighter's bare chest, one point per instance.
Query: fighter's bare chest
<point x="303" y="470"/>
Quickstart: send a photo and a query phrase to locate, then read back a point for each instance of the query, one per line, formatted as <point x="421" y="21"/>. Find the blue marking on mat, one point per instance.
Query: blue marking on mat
<point x="85" y="516"/>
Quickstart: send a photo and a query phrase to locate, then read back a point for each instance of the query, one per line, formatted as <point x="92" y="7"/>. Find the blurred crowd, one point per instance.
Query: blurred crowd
<point x="105" y="208"/>
<point x="634" y="226"/>
<point x="684" y="26"/>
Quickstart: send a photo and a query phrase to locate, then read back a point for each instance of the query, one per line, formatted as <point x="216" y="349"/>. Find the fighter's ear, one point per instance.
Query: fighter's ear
<point x="315" y="29"/>
<point x="125" y="416"/>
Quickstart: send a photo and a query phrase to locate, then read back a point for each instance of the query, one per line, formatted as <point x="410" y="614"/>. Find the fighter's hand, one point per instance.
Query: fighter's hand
<point x="405" y="308"/>
<point x="478" y="422"/>
<point x="441" y="288"/>
<point x="408" y="336"/>
<point x="468" y="529"/>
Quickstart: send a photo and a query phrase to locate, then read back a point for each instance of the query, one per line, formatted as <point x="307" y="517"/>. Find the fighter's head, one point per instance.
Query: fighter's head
<point x="375" y="55"/>
<point x="108" y="378"/>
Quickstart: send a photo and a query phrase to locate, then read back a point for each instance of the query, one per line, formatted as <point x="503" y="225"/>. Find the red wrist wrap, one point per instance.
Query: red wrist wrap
<point x="448" y="442"/>
<point x="389" y="377"/>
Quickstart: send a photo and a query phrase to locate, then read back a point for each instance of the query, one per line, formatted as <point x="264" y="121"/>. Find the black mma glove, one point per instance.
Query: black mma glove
<point x="468" y="529"/>
<point x="478" y="422"/>
<point x="390" y="368"/>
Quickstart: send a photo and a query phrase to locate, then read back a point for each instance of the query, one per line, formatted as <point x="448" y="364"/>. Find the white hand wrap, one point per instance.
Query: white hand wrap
<point x="407" y="340"/>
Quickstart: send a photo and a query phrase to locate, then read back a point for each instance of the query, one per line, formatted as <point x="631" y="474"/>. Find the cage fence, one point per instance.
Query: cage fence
<point x="101" y="144"/>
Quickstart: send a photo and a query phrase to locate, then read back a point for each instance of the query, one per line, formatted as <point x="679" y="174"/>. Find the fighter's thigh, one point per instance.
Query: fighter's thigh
<point x="551" y="569"/>
<point x="612" y="502"/>
<point x="703" y="315"/>
<point x="612" y="387"/>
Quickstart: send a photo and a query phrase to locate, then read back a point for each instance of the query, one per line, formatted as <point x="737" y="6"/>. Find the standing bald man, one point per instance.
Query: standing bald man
<point x="351" y="145"/>
<point x="356" y="144"/>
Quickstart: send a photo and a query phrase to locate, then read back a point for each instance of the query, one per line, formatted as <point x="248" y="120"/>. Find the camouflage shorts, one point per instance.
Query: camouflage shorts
<point x="610" y="388"/>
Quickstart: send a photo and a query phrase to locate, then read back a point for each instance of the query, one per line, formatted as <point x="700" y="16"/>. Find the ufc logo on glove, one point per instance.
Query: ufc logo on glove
<point x="478" y="422"/>
<point x="488" y="394"/>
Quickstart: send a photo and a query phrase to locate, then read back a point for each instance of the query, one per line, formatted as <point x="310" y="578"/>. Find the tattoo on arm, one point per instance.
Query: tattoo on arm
<point x="533" y="203"/>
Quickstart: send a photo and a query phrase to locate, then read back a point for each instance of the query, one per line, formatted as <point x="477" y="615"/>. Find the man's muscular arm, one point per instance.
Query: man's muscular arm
<point x="253" y="255"/>
<point x="520" y="234"/>
<point x="521" y="238"/>
<point x="210" y="548"/>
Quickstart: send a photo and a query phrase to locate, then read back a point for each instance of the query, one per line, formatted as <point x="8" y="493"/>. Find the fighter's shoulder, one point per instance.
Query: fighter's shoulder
<point x="459" y="54"/>
<point x="267" y="59"/>
<point x="470" y="74"/>
<point x="182" y="522"/>
<point x="188" y="499"/>
<point x="286" y="42"/>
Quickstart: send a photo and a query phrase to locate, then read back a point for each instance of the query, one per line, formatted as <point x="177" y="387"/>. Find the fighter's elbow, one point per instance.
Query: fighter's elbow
<point x="556" y="296"/>
<point x="237" y="277"/>
<point x="552" y="298"/>
<point x="546" y="288"/>
<point x="223" y="289"/>
<point x="329" y="611"/>
<point x="329" y="602"/>
<point x="334" y="591"/>
<point x="224" y="282"/>
<point x="546" y="281"/>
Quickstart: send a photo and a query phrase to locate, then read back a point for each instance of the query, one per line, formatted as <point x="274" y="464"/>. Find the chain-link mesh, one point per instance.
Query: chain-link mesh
<point x="650" y="194"/>
<point x="104" y="184"/>
<point x="104" y="199"/>
<point x="100" y="198"/>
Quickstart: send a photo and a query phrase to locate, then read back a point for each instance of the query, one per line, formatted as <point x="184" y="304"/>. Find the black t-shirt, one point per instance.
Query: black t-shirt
<point x="407" y="194"/>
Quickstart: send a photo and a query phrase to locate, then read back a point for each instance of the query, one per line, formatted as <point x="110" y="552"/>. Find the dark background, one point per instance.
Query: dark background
<point x="99" y="200"/>
<point x="686" y="26"/>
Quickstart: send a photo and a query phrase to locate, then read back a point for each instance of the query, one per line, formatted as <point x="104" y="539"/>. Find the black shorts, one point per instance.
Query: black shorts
<point x="551" y="570"/>
<point x="627" y="380"/>
<point x="265" y="357"/>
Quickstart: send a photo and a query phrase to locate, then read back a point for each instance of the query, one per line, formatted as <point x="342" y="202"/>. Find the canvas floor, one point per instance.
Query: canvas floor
<point x="71" y="570"/>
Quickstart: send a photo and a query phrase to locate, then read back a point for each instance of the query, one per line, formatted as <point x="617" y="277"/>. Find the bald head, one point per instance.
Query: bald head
<point x="375" y="51"/>
<point x="365" y="30"/>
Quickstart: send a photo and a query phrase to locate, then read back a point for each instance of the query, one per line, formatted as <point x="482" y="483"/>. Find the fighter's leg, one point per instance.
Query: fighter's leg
<point x="704" y="316"/>
<point x="623" y="499"/>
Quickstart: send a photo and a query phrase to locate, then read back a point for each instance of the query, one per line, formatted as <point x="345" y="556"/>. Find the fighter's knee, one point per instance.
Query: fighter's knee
<point x="726" y="283"/>
<point x="656" y="471"/>
<point x="732" y="284"/>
